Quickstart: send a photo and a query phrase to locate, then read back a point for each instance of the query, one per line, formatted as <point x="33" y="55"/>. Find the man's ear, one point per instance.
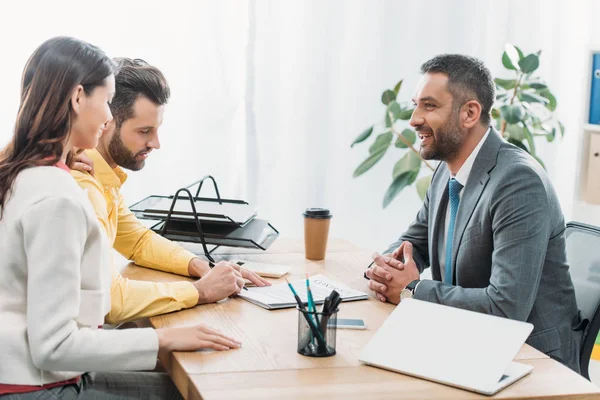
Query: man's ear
<point x="470" y="113"/>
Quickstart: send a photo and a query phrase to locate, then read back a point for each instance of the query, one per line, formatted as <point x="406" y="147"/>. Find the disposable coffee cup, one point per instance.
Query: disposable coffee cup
<point x="316" y="232"/>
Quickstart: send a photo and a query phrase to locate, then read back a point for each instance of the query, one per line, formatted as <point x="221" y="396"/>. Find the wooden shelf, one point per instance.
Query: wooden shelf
<point x="592" y="127"/>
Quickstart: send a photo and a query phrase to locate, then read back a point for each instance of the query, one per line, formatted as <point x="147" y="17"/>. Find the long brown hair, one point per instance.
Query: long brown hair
<point x="44" y="120"/>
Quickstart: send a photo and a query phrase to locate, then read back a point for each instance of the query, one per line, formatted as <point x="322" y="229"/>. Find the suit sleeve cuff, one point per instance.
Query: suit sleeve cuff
<point x="423" y="289"/>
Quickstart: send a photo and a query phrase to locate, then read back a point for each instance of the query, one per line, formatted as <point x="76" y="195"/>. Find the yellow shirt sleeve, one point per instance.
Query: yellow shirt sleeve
<point x="132" y="299"/>
<point x="146" y="248"/>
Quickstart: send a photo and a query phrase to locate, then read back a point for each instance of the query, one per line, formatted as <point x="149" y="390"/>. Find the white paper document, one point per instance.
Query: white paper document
<point x="263" y="269"/>
<point x="280" y="296"/>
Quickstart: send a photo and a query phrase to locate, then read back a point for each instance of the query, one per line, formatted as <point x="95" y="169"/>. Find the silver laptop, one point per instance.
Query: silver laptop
<point x="465" y="349"/>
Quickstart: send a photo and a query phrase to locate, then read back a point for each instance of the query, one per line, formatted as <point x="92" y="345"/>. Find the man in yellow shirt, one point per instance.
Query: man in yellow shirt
<point x="137" y="108"/>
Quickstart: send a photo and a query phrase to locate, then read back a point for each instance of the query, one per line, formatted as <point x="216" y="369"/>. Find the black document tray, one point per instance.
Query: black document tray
<point x="196" y="227"/>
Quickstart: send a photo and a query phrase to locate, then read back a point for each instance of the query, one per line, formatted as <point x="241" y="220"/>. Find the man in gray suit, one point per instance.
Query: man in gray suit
<point x="491" y="227"/>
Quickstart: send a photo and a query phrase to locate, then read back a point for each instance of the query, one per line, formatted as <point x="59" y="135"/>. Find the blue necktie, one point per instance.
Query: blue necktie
<point x="454" y="188"/>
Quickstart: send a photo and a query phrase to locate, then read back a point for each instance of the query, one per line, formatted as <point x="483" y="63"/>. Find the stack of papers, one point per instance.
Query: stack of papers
<point x="264" y="270"/>
<point x="280" y="296"/>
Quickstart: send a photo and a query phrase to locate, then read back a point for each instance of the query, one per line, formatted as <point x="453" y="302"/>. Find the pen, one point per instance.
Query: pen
<point x="365" y="273"/>
<point x="330" y="305"/>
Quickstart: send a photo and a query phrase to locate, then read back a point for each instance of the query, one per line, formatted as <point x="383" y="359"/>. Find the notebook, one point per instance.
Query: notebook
<point x="280" y="296"/>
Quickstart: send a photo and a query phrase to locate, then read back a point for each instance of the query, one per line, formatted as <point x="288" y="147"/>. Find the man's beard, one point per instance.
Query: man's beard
<point x="446" y="142"/>
<point x="122" y="156"/>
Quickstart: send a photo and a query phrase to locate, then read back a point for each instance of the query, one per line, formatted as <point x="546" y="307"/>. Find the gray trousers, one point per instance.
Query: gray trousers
<point x="113" y="385"/>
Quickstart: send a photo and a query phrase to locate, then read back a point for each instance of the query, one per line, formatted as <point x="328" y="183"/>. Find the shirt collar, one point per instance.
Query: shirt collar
<point x="463" y="173"/>
<point x="63" y="166"/>
<point x="108" y="177"/>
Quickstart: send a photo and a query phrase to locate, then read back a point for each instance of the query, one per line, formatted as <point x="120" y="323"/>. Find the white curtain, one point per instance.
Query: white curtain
<point x="267" y="95"/>
<point x="321" y="68"/>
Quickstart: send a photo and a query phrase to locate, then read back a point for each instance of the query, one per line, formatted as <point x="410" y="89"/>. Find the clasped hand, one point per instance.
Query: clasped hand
<point x="391" y="273"/>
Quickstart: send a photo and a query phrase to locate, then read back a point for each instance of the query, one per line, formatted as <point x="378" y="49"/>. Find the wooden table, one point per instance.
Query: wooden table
<point x="268" y="366"/>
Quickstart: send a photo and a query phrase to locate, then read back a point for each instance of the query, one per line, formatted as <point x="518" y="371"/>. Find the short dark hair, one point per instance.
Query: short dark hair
<point x="135" y="78"/>
<point x="467" y="77"/>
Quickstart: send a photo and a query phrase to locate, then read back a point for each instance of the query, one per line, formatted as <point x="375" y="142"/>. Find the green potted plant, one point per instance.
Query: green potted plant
<point x="524" y="111"/>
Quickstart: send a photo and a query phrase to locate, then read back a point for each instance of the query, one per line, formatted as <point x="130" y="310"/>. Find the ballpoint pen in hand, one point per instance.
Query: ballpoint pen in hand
<point x="212" y="265"/>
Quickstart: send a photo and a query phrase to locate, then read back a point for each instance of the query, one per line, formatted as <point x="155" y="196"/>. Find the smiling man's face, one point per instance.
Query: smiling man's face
<point x="436" y="118"/>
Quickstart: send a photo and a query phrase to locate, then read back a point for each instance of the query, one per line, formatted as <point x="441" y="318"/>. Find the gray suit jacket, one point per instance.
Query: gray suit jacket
<point x="509" y="255"/>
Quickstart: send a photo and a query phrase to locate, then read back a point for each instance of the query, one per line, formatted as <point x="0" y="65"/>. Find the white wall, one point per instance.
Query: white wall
<point x="268" y="95"/>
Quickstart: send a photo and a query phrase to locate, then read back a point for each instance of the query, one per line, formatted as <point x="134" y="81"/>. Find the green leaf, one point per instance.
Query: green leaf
<point x="394" y="108"/>
<point x="495" y="113"/>
<point x="518" y="144"/>
<point x="510" y="58"/>
<point x="528" y="109"/>
<point x="512" y="113"/>
<point x="409" y="162"/>
<point x="397" y="87"/>
<point x="397" y="185"/>
<point x="552" y="100"/>
<point x="532" y="98"/>
<point x="409" y="135"/>
<point x="383" y="141"/>
<point x="535" y="122"/>
<point x="539" y="160"/>
<point x="551" y="136"/>
<point x="562" y="129"/>
<point x="521" y="56"/>
<point x="529" y="63"/>
<point x="515" y="132"/>
<point x="369" y="162"/>
<point x="405" y="114"/>
<point x="422" y="185"/>
<point x="363" y="136"/>
<point x="506" y="83"/>
<point x="388" y="120"/>
<point x="506" y="62"/>
<point x="388" y="96"/>
<point x="537" y="85"/>
<point x="498" y="124"/>
<point x="529" y="138"/>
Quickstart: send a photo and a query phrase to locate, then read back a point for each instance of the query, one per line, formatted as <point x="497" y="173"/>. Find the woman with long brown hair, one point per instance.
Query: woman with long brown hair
<point x="54" y="257"/>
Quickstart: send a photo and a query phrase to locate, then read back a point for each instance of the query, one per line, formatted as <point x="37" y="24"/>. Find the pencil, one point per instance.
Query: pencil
<point x="311" y="300"/>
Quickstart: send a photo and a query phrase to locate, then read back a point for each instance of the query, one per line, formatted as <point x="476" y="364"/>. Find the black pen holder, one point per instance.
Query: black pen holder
<point x="316" y="333"/>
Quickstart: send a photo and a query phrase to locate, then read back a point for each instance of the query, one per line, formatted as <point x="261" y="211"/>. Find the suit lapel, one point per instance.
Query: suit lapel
<point x="478" y="179"/>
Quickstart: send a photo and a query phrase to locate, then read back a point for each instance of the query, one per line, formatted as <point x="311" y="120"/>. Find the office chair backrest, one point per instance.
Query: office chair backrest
<point x="583" y="256"/>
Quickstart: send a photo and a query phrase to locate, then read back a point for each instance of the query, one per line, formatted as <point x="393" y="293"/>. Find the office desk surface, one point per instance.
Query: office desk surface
<point x="268" y="366"/>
